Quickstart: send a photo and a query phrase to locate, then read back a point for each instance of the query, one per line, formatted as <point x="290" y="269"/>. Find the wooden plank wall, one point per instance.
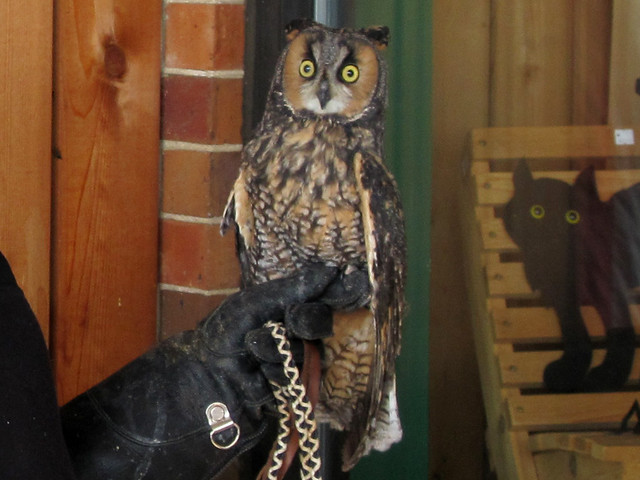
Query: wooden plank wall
<point x="516" y="63"/>
<point x="550" y="62"/>
<point x="460" y="103"/>
<point x="107" y="95"/>
<point x="624" y="101"/>
<point x="26" y="28"/>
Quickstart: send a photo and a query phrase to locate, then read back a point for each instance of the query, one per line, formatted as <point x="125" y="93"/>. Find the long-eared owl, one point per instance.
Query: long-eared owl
<point x="313" y="188"/>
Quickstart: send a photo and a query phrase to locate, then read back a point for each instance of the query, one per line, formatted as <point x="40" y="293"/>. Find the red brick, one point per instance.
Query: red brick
<point x="226" y="118"/>
<point x="198" y="183"/>
<point x="186" y="108"/>
<point x="186" y="182"/>
<point x="196" y="255"/>
<point x="202" y="110"/>
<point x="204" y="37"/>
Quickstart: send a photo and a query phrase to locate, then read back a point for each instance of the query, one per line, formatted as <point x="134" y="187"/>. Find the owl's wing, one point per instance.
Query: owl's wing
<point x="238" y="212"/>
<point x="386" y="258"/>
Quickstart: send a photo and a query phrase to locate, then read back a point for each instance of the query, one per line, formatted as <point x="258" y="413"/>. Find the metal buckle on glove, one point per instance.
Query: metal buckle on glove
<point x="220" y="420"/>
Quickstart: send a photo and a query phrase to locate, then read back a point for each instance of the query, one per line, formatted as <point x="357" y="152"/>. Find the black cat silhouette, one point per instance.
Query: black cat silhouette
<point x="578" y="250"/>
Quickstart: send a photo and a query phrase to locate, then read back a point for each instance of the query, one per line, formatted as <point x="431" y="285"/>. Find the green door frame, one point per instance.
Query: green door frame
<point x="408" y="154"/>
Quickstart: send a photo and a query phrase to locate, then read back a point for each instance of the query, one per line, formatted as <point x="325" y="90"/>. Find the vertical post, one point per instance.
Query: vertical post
<point x="107" y="122"/>
<point x="624" y="93"/>
<point x="25" y="146"/>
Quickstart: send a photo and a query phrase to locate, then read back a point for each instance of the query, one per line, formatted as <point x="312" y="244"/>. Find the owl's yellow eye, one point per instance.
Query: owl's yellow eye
<point x="572" y="217"/>
<point x="350" y="73"/>
<point x="537" y="212"/>
<point x="307" y="68"/>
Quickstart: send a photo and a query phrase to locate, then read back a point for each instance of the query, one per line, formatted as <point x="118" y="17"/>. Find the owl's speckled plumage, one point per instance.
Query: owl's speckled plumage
<point x="313" y="188"/>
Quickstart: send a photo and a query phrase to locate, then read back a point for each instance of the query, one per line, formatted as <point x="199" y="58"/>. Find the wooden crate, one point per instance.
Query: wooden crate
<point x="532" y="431"/>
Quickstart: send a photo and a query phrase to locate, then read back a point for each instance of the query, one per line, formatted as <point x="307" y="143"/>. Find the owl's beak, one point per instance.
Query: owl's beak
<point x="324" y="93"/>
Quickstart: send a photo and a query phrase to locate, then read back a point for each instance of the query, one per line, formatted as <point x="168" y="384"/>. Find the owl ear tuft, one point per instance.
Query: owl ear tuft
<point x="294" y="27"/>
<point x="378" y="34"/>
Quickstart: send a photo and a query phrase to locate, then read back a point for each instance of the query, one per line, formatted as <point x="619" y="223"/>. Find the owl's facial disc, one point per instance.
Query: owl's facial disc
<point x="330" y="75"/>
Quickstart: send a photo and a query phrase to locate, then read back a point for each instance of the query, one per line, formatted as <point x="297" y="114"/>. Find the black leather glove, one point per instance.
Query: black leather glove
<point x="151" y="420"/>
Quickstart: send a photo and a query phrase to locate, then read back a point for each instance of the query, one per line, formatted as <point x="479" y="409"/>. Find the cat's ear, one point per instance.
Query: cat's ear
<point x="586" y="182"/>
<point x="522" y="177"/>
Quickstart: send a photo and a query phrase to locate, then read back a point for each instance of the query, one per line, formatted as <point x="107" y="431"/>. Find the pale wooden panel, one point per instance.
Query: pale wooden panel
<point x="624" y="102"/>
<point x="536" y="324"/>
<point x="25" y="146"/>
<point x="551" y="142"/>
<point x="459" y="103"/>
<point x="525" y="369"/>
<point x="591" y="55"/>
<point x="508" y="279"/>
<point x="608" y="446"/>
<point x="540" y="324"/>
<point x="561" y="465"/>
<point x="497" y="188"/>
<point x="532" y="49"/>
<point x="106" y="183"/>
<point x="495" y="237"/>
<point x="525" y="466"/>
<point x="553" y="412"/>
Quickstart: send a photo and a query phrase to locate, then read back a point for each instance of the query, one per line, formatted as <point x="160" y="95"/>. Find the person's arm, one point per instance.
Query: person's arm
<point x="152" y="418"/>
<point x="31" y="443"/>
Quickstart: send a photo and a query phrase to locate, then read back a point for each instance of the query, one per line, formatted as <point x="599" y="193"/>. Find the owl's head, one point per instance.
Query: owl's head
<point x="332" y="72"/>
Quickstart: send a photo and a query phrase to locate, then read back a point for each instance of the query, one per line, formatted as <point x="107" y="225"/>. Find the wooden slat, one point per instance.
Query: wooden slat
<point x="525" y="467"/>
<point x="540" y="324"/>
<point x="536" y="324"/>
<point x="571" y="411"/>
<point x="550" y="142"/>
<point x="525" y="369"/>
<point x="497" y="188"/>
<point x="607" y="446"/>
<point x="508" y="279"/>
<point x="106" y="184"/>
<point x="495" y="237"/>
<point x="25" y="146"/>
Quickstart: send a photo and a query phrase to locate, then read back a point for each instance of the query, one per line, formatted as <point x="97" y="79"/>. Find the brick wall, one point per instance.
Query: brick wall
<point x="201" y="128"/>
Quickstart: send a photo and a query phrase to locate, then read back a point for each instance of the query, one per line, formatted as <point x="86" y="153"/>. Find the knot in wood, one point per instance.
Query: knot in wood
<point x="115" y="61"/>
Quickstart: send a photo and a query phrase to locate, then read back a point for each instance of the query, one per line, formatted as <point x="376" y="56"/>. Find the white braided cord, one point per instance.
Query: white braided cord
<point x="293" y="398"/>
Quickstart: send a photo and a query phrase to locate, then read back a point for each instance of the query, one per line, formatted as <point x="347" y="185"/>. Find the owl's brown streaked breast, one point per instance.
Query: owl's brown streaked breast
<point x="305" y="202"/>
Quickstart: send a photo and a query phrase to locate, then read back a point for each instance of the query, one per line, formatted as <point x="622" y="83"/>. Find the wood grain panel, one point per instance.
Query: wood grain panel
<point x="553" y="412"/>
<point x="106" y="184"/>
<point x="551" y="142"/>
<point x="624" y="102"/>
<point x="460" y="103"/>
<point x="497" y="188"/>
<point x="525" y="369"/>
<point x="591" y="56"/>
<point x="25" y="146"/>
<point x="532" y="50"/>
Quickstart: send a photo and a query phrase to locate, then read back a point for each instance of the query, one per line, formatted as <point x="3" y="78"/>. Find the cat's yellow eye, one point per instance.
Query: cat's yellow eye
<point x="307" y="68"/>
<point x="572" y="217"/>
<point x="349" y="73"/>
<point x="537" y="212"/>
